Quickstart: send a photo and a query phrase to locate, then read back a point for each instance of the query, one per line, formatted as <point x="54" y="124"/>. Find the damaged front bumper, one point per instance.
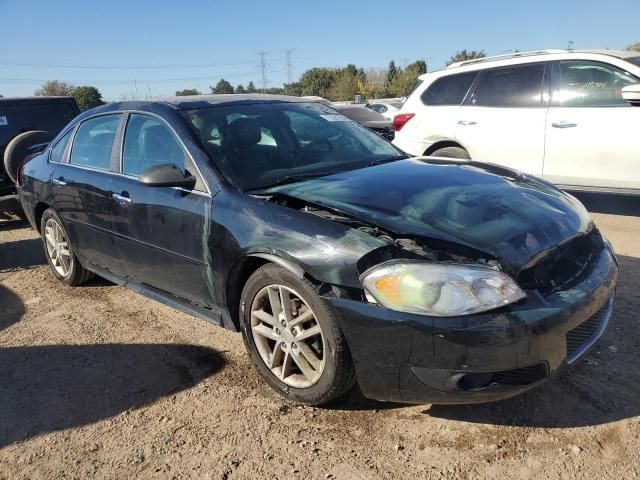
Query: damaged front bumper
<point x="482" y="357"/>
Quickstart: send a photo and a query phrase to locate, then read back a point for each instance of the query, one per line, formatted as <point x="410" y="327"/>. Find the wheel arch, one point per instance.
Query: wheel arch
<point x="38" y="211"/>
<point x="243" y="269"/>
<point x="444" y="144"/>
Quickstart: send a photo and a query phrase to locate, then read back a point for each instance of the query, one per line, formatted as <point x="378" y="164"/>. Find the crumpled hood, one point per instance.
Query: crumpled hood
<point x="510" y="216"/>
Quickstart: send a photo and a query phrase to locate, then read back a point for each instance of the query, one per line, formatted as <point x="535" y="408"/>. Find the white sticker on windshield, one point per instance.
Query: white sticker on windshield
<point x="3" y="120"/>
<point x="335" y="117"/>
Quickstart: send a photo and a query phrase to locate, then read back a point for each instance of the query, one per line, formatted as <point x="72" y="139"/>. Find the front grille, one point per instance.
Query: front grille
<point x="563" y="268"/>
<point x="585" y="334"/>
<point x="521" y="376"/>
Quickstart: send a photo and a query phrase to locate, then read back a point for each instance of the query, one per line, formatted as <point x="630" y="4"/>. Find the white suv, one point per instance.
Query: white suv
<point x="564" y="115"/>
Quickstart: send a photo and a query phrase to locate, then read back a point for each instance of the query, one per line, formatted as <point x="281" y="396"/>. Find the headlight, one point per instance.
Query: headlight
<point x="439" y="289"/>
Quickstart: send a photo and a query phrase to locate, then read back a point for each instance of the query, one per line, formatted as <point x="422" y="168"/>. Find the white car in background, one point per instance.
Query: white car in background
<point x="386" y="109"/>
<point x="567" y="116"/>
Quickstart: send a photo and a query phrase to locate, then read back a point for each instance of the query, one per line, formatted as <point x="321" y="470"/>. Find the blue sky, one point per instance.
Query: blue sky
<point x="194" y="43"/>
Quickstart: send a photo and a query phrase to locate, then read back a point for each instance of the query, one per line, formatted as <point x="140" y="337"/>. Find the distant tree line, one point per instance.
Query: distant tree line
<point x="334" y="84"/>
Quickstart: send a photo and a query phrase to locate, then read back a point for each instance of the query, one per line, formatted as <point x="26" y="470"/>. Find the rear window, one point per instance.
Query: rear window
<point x="517" y="86"/>
<point x="449" y="90"/>
<point x="94" y="141"/>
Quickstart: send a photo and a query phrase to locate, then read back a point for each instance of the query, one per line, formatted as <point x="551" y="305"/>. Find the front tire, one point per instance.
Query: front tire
<point x="59" y="252"/>
<point x="293" y="337"/>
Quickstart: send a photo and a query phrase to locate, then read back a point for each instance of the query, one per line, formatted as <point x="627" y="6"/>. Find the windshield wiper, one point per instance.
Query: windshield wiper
<point x="294" y="178"/>
<point x="380" y="161"/>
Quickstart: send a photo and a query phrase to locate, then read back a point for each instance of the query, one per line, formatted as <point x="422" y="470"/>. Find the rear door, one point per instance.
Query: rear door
<point x="503" y="120"/>
<point x="160" y="231"/>
<point x="81" y="186"/>
<point x="592" y="135"/>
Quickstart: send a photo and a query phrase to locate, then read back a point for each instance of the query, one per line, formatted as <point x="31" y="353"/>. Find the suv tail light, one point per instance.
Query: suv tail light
<point x="401" y="120"/>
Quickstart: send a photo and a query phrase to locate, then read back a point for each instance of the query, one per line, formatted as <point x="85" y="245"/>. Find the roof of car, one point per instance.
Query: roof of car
<point x="518" y="56"/>
<point x="194" y="101"/>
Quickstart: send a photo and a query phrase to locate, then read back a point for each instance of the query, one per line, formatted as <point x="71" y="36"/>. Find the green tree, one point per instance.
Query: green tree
<point x="251" y="87"/>
<point x="634" y="48"/>
<point x="240" y="89"/>
<point x="187" y="92"/>
<point x="419" y="67"/>
<point x="318" y="81"/>
<point x="463" y="55"/>
<point x="222" y="87"/>
<point x="392" y="71"/>
<point x="344" y="87"/>
<point x="87" y="97"/>
<point x="55" y="88"/>
<point x="293" y="89"/>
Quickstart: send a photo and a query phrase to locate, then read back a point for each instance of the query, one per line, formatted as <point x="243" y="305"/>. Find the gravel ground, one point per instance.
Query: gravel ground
<point x="100" y="382"/>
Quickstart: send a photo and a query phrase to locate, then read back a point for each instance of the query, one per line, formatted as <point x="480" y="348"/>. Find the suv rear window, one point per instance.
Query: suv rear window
<point x="516" y="86"/>
<point x="449" y="90"/>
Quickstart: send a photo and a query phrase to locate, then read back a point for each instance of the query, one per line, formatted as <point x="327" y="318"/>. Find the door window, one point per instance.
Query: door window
<point x="592" y="84"/>
<point x="147" y="143"/>
<point x="449" y="90"/>
<point x="94" y="142"/>
<point x="58" y="149"/>
<point x="518" y="86"/>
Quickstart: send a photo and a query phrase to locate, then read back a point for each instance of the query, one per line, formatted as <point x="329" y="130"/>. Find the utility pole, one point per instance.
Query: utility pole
<point x="289" y="65"/>
<point x="263" y="69"/>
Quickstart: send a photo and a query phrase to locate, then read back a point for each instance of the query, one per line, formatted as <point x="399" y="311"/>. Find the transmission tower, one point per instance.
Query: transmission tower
<point x="289" y="65"/>
<point x="263" y="69"/>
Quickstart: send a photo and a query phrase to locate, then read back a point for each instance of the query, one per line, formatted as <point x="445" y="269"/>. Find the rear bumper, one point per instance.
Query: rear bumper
<point x="477" y="358"/>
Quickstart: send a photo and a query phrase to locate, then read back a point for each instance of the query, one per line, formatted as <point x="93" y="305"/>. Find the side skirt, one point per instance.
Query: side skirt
<point x="210" y="315"/>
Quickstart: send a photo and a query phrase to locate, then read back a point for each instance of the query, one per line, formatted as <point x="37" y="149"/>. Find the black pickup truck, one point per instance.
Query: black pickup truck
<point x="26" y="126"/>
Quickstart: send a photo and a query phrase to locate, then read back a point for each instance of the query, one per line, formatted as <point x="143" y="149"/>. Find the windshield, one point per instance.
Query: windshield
<point x="260" y="145"/>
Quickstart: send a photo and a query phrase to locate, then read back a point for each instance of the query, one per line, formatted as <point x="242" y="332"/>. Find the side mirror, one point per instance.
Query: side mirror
<point x="166" y="175"/>
<point x="631" y="93"/>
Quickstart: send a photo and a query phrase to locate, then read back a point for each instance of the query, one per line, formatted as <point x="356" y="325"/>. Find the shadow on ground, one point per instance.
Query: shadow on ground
<point x="48" y="388"/>
<point x="21" y="255"/>
<point x="603" y="387"/>
<point x="54" y="387"/>
<point x="11" y="308"/>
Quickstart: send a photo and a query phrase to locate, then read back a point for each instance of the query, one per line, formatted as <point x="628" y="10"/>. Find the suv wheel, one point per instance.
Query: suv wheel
<point x="59" y="251"/>
<point x="451" y="152"/>
<point x="293" y="337"/>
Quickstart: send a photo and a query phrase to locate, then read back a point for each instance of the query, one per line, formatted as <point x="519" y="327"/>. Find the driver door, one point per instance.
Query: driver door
<point x="160" y="231"/>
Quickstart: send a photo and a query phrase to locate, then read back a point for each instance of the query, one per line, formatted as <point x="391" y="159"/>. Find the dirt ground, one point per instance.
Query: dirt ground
<point x="100" y="382"/>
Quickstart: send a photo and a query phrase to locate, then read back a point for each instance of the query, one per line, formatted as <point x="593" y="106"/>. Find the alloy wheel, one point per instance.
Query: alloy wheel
<point x="57" y="247"/>
<point x="288" y="336"/>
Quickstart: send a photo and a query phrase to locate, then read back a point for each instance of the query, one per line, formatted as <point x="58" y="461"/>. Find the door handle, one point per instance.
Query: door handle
<point x="59" y="181"/>
<point x="564" y="124"/>
<point x="122" y="200"/>
<point x="467" y="122"/>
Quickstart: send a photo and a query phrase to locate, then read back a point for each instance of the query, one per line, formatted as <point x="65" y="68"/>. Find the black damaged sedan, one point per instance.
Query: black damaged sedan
<point x="338" y="258"/>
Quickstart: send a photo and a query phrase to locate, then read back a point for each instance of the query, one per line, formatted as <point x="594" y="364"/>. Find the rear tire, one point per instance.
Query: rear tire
<point x="59" y="252"/>
<point x="276" y="338"/>
<point x="451" y="152"/>
<point x="18" y="149"/>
